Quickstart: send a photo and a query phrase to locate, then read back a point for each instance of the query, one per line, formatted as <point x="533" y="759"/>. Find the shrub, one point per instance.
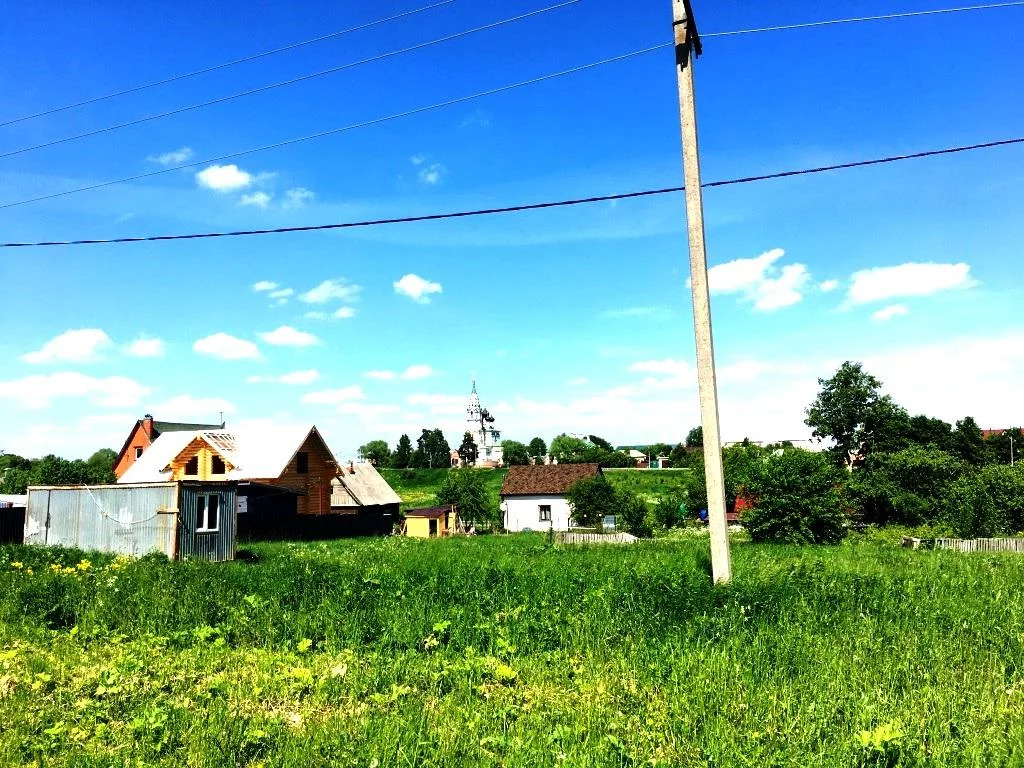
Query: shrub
<point x="591" y="499"/>
<point x="634" y="513"/>
<point x="909" y="487"/>
<point x="799" y="498"/>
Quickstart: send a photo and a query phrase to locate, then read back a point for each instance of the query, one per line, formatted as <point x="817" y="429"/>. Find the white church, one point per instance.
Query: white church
<point x="480" y="424"/>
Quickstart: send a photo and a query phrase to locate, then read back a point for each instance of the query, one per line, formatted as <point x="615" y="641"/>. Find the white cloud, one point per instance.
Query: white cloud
<point x="418" y="371"/>
<point x="173" y="157"/>
<point x="367" y="411"/>
<point x="282" y="293"/>
<point x="189" y="408"/>
<point x="224" y="178"/>
<point x="579" y="381"/>
<point x="286" y="336"/>
<point x="828" y="285"/>
<point x="295" y="378"/>
<point x="669" y="366"/>
<point x="416" y="288"/>
<point x="888" y="313"/>
<point x="439" y="404"/>
<point x="344" y="313"/>
<point x="910" y="279"/>
<point x="760" y="281"/>
<point x="316" y="316"/>
<point x="256" y="199"/>
<point x="381" y="375"/>
<point x="297" y="197"/>
<point x="227" y="347"/>
<point x="418" y="159"/>
<point x="337" y="288"/>
<point x="264" y="285"/>
<point x="75" y="346"/>
<point x="334" y="396"/>
<point x="38" y="391"/>
<point x="145" y="348"/>
<point x="432" y="175"/>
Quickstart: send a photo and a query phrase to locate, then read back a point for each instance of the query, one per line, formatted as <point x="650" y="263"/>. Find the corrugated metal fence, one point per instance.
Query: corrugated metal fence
<point x="128" y="520"/>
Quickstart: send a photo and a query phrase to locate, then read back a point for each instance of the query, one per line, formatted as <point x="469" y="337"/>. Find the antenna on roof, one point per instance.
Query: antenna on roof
<point x="222" y="422"/>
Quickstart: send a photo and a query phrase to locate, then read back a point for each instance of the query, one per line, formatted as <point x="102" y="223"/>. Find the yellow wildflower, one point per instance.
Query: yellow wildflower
<point x="16" y="565"/>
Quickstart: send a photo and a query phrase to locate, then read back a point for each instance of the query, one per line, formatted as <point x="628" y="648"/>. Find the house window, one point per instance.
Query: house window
<point x="207" y="513"/>
<point x="302" y="463"/>
<point x="138" y="451"/>
<point x="545" y="513"/>
<point x="192" y="466"/>
<point x="217" y="466"/>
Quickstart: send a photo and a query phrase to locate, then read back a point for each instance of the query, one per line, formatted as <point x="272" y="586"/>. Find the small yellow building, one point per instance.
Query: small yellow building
<point x="431" y="522"/>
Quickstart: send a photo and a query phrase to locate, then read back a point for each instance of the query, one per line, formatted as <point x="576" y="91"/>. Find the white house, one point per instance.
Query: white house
<point x="533" y="496"/>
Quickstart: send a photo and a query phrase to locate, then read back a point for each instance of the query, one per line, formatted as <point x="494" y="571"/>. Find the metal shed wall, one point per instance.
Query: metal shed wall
<point x="125" y="519"/>
<point x="207" y="545"/>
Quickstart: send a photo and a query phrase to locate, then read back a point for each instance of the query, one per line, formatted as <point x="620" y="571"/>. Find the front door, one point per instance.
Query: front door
<point x="433" y="528"/>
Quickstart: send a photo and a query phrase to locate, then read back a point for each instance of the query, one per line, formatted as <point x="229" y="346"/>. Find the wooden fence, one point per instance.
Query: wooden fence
<point x="571" y="537"/>
<point x="966" y="545"/>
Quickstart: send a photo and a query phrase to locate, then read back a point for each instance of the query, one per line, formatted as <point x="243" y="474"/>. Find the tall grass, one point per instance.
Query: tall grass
<point x="507" y="651"/>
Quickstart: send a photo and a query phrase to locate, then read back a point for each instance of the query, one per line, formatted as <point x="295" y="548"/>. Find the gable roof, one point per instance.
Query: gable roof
<point x="255" y="452"/>
<point x="159" y="427"/>
<point x="361" y="485"/>
<point x="545" y="479"/>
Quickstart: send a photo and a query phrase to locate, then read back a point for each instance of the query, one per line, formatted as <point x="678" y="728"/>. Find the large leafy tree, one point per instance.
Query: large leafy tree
<point x="376" y="452"/>
<point x="695" y="437"/>
<point x="1006" y="447"/>
<point x="402" y="458"/>
<point x="968" y="444"/>
<point x="590" y="499"/>
<point x="432" y="450"/>
<point x="851" y="411"/>
<point x="468" y="451"/>
<point x="515" y="452"/>
<point x="538" y="448"/>
<point x="567" y="449"/>
<point x="101" y="465"/>
<point x="465" y="489"/>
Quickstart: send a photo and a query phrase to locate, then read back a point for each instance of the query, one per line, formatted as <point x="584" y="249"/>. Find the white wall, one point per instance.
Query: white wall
<point x="522" y="512"/>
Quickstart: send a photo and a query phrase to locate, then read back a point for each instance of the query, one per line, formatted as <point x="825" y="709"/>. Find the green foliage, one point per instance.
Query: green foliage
<point x="1004" y="445"/>
<point x="376" y="452"/>
<point x="798" y="498"/>
<point x="17" y="473"/>
<point x="967" y="443"/>
<point x="101" y="465"/>
<point x="567" y="449"/>
<point x="851" y="412"/>
<point x="909" y="487"/>
<point x="590" y="499"/>
<point x="465" y="489"/>
<point x="432" y="450"/>
<point x="468" y="450"/>
<point x="987" y="502"/>
<point x="538" y="448"/>
<point x="695" y="438"/>
<point x="515" y="453"/>
<point x="402" y="456"/>
<point x="634" y="516"/>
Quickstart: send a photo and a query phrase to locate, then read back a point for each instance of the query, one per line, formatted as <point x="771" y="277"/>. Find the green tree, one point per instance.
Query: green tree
<point x="968" y="444"/>
<point x="376" y="452"/>
<point x="590" y="499"/>
<point x="468" y="450"/>
<point x="101" y="466"/>
<point x="538" y="448"/>
<point x="850" y="411"/>
<point x="515" y="452"/>
<point x="678" y="456"/>
<point x="402" y="458"/>
<point x="798" y="498"/>
<point x="566" y="449"/>
<point x="926" y="431"/>
<point x="465" y="489"/>
<point x="695" y="438"/>
<point x="1006" y="447"/>
<point x="432" y="450"/>
<point x="601" y="443"/>
<point x="909" y="487"/>
<point x="633" y="513"/>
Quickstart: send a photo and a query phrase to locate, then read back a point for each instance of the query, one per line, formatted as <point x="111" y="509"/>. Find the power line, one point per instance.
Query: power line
<point x="531" y="206"/>
<point x="292" y="81"/>
<point x="215" y="67"/>
<point x="882" y="17"/>
<point x="352" y="126"/>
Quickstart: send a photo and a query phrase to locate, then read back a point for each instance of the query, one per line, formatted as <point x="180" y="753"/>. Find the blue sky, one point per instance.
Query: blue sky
<point x="572" y="320"/>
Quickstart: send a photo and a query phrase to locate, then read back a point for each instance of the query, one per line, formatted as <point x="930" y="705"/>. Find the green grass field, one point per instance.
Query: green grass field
<point x="504" y="651"/>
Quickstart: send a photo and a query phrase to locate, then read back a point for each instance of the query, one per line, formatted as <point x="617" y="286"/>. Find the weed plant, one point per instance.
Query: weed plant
<point x="508" y="651"/>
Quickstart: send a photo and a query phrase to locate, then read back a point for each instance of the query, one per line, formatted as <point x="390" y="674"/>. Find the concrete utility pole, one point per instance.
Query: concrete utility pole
<point x="688" y="49"/>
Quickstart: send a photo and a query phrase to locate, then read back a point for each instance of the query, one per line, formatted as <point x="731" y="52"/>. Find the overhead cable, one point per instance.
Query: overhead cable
<point x="292" y="81"/>
<point x="857" y="19"/>
<point x="529" y="206"/>
<point x="351" y="126"/>
<point x="215" y="67"/>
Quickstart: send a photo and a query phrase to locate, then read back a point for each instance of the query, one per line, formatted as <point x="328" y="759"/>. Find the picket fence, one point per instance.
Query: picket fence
<point x="571" y="537"/>
<point x="981" y="545"/>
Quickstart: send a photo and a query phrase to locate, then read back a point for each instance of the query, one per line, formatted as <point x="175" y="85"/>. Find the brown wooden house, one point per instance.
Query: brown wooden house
<point x="145" y="431"/>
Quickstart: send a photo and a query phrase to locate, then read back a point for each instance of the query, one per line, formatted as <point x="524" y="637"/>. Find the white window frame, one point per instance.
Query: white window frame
<point x="541" y="510"/>
<point x="203" y="512"/>
<point x="138" y="451"/>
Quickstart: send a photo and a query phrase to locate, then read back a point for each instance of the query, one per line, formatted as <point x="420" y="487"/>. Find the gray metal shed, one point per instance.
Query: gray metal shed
<point x="180" y="519"/>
